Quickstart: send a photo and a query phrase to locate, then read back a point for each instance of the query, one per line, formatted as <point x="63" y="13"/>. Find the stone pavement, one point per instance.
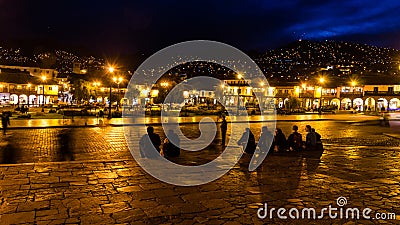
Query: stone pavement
<point x="360" y="164"/>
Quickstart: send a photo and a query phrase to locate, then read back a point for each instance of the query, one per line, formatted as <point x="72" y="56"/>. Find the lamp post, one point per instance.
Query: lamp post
<point x="111" y="70"/>
<point x="321" y="81"/>
<point x="29" y="92"/>
<point x="43" y="79"/>
<point x="353" y="84"/>
<point x="117" y="80"/>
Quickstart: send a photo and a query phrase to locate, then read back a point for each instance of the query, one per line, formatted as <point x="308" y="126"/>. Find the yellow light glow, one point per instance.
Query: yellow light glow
<point x="44" y="78"/>
<point x="164" y="84"/>
<point x="353" y="83"/>
<point x="120" y="79"/>
<point x="222" y="86"/>
<point x="262" y="84"/>
<point x="111" y="69"/>
<point x="304" y="85"/>
<point x="322" y="80"/>
<point x="186" y="94"/>
<point x="114" y="79"/>
<point x="239" y="76"/>
<point x="29" y="85"/>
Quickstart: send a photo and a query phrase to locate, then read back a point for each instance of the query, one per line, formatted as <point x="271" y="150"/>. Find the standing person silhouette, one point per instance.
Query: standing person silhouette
<point x="224" y="128"/>
<point x="5" y="121"/>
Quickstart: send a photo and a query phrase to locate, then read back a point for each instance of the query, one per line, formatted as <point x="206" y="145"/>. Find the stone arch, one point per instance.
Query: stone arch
<point x="345" y="103"/>
<point x="394" y="103"/>
<point x="13" y="99"/>
<point x="335" y="101"/>
<point x="358" y="104"/>
<point x="382" y="104"/>
<point x="370" y="104"/>
<point x="23" y="99"/>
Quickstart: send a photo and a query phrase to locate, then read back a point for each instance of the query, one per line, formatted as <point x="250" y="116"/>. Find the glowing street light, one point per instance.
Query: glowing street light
<point x="29" y="92"/>
<point x="118" y="80"/>
<point x="111" y="71"/>
<point x="239" y="76"/>
<point x="44" y="78"/>
<point x="321" y="81"/>
<point x="353" y="83"/>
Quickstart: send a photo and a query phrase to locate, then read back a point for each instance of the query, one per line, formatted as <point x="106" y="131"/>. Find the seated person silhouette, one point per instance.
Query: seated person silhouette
<point x="148" y="143"/>
<point x="250" y="147"/>
<point x="171" y="146"/>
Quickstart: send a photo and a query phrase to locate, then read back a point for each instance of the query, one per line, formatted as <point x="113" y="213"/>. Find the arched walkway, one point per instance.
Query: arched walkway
<point x="358" y="104"/>
<point x="394" y="103"/>
<point x="13" y="99"/>
<point x="382" y="104"/>
<point x="335" y="101"/>
<point x="370" y="104"/>
<point x="345" y="104"/>
<point x="23" y="99"/>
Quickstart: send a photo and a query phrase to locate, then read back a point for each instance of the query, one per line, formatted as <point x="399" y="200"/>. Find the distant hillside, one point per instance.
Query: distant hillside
<point x="301" y="60"/>
<point x="298" y="61"/>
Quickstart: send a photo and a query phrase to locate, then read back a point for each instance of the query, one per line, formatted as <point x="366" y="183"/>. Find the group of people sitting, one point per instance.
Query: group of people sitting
<point x="279" y="142"/>
<point x="170" y="147"/>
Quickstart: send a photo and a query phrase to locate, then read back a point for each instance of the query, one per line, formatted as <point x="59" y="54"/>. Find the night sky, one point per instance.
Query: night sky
<point x="147" y="26"/>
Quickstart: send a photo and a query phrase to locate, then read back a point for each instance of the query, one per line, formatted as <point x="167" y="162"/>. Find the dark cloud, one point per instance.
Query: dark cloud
<point x="131" y="26"/>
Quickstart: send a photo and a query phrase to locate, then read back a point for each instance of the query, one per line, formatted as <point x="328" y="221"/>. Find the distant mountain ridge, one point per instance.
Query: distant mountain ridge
<point x="300" y="60"/>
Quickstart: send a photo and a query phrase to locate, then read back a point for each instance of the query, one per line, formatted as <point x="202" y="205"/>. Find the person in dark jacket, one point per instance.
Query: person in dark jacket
<point x="264" y="142"/>
<point x="295" y="140"/>
<point x="279" y="143"/>
<point x="311" y="139"/>
<point x="148" y="142"/>
<point x="224" y="127"/>
<point x="5" y="121"/>
<point x="171" y="145"/>
<point x="248" y="141"/>
<point x="319" y="145"/>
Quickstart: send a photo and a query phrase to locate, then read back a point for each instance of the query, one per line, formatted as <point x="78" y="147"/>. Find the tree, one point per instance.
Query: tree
<point x="80" y="92"/>
<point x="292" y="103"/>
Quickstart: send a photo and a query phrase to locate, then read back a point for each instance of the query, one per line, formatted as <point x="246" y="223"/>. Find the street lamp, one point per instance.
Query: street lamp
<point x="321" y="81"/>
<point x="96" y="85"/>
<point x="118" y="81"/>
<point x="29" y="92"/>
<point x="353" y="84"/>
<point x="43" y="79"/>
<point x="110" y="70"/>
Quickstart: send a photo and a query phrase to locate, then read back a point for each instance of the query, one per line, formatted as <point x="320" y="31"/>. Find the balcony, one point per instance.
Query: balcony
<point x="382" y="93"/>
<point x="282" y="95"/>
<point x="309" y="94"/>
<point x="356" y="94"/>
<point x="329" y="95"/>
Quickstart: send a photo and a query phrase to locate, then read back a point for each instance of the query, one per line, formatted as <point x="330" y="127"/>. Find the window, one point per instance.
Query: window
<point x="390" y="89"/>
<point x="375" y="89"/>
